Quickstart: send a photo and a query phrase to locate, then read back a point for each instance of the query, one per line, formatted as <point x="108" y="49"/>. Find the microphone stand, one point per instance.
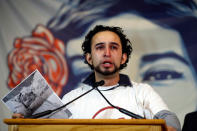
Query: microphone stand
<point x="124" y="111"/>
<point x="47" y="112"/>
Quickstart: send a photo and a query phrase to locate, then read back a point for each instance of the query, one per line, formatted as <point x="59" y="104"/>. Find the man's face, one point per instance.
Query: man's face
<point x="106" y="53"/>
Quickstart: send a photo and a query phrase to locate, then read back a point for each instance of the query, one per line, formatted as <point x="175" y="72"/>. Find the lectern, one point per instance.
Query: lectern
<point x="85" y="124"/>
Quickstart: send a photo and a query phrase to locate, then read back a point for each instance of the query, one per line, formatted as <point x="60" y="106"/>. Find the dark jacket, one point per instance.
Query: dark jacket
<point x="190" y="122"/>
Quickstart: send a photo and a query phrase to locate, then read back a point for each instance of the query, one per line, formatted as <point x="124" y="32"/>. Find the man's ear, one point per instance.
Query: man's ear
<point x="89" y="58"/>
<point x="124" y="58"/>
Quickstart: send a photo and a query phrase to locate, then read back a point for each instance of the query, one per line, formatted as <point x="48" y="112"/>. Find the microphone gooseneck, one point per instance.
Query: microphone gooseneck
<point x="124" y="111"/>
<point x="47" y="112"/>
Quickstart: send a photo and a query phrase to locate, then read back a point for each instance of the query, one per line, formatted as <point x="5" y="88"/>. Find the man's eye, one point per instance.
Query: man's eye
<point x="113" y="47"/>
<point x="161" y="75"/>
<point x="99" y="47"/>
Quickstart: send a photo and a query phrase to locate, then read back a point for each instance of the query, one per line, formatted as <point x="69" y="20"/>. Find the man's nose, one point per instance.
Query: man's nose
<point x="107" y="52"/>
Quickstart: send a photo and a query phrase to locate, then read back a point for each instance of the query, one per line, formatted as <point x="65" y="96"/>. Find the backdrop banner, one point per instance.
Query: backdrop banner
<point x="47" y="35"/>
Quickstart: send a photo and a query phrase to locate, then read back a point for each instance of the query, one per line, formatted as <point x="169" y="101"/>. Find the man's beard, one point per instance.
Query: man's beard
<point x="107" y="73"/>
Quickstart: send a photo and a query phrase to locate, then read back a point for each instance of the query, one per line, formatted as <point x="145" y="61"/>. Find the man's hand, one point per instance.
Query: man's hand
<point x="169" y="128"/>
<point x="16" y="115"/>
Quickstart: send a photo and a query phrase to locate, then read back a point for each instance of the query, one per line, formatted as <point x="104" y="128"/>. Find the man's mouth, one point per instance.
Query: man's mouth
<point x="107" y="64"/>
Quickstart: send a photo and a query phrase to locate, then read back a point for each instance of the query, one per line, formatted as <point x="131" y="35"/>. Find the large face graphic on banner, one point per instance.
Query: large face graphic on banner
<point x="159" y="58"/>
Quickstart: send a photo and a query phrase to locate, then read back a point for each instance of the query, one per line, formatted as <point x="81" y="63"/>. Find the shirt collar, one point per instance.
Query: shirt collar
<point x="124" y="80"/>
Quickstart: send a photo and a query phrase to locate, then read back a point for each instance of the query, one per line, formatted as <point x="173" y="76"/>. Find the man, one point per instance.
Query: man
<point x="107" y="51"/>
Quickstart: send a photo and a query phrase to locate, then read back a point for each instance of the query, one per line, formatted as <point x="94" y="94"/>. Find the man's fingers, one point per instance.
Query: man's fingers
<point x="16" y="115"/>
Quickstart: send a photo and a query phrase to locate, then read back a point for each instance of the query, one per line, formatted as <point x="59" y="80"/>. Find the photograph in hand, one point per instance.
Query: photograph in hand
<point x="34" y="95"/>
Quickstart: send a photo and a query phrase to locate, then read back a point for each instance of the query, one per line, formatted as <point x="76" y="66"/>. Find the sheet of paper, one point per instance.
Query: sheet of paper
<point x="34" y="95"/>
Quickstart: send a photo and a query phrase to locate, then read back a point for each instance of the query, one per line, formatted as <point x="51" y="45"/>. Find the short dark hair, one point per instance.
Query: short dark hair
<point x="126" y="44"/>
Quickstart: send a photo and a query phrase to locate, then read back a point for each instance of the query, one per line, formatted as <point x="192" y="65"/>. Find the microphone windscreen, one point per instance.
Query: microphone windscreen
<point x="100" y="83"/>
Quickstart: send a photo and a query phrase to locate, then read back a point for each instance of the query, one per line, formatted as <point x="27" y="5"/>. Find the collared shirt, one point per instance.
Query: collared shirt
<point x="135" y="97"/>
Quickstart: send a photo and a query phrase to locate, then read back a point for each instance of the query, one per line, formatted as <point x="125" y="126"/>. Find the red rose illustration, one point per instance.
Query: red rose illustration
<point x="40" y="51"/>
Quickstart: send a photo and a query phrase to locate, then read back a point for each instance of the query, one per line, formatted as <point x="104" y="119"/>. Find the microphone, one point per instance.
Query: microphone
<point x="124" y="111"/>
<point x="97" y="84"/>
<point x="47" y="112"/>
